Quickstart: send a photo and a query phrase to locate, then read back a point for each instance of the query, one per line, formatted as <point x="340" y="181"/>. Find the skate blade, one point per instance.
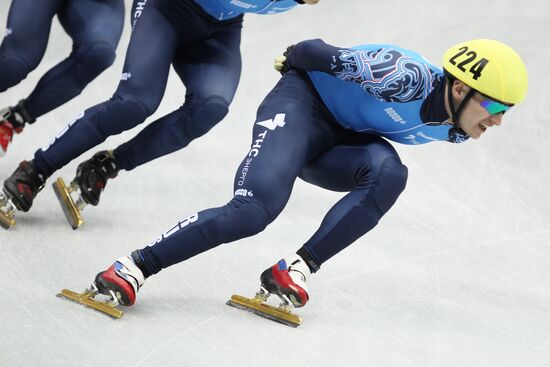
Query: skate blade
<point x="86" y="300"/>
<point x="259" y="308"/>
<point x="72" y="213"/>
<point x="6" y="221"/>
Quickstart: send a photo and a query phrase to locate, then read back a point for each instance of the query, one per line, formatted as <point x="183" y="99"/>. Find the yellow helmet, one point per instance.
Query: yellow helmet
<point x="490" y="67"/>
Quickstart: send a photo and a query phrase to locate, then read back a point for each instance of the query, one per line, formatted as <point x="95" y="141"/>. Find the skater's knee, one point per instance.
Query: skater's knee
<point x="257" y="218"/>
<point x="214" y="108"/>
<point x="98" y="56"/>
<point x="117" y="115"/>
<point x="14" y="69"/>
<point x="94" y="59"/>
<point x="147" y="99"/>
<point x="392" y="179"/>
<point x="253" y="215"/>
<point x="205" y="113"/>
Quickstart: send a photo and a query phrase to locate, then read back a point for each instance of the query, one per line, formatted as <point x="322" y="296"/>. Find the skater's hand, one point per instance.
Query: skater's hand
<point x="281" y="64"/>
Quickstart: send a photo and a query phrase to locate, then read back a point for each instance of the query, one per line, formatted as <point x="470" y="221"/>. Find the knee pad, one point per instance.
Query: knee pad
<point x="392" y="179"/>
<point x="94" y="59"/>
<point x="14" y="69"/>
<point x="245" y="217"/>
<point x="204" y="115"/>
<point x="107" y="119"/>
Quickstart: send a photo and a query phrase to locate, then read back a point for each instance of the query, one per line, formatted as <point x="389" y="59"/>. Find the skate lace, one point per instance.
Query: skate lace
<point x="297" y="277"/>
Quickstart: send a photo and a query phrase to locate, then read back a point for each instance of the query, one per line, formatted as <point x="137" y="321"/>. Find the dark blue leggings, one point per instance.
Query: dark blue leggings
<point x="294" y="136"/>
<point x="205" y="54"/>
<point x="95" y="27"/>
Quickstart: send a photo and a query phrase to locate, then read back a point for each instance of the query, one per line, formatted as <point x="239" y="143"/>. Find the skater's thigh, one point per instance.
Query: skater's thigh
<point x="92" y="21"/>
<point x="28" y="29"/>
<point x="345" y="166"/>
<point x="150" y="52"/>
<point x="211" y="67"/>
<point x="288" y="132"/>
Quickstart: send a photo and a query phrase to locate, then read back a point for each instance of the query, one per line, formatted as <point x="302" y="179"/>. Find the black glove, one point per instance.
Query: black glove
<point x="281" y="64"/>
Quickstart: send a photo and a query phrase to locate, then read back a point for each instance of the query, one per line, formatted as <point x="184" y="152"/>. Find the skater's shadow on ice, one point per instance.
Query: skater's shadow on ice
<point x="171" y="307"/>
<point x="32" y="220"/>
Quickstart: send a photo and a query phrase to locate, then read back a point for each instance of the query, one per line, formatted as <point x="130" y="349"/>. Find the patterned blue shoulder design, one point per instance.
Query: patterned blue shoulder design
<point x="386" y="73"/>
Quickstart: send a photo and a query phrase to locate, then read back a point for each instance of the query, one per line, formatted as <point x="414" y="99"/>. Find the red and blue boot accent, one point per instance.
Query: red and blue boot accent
<point x="122" y="280"/>
<point x="287" y="279"/>
<point x="12" y="121"/>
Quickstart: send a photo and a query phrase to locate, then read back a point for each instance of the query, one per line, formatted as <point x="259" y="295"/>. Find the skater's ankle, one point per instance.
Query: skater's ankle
<point x="138" y="259"/>
<point x="312" y="265"/>
<point x="121" y="160"/>
<point x="41" y="176"/>
<point x="21" y="109"/>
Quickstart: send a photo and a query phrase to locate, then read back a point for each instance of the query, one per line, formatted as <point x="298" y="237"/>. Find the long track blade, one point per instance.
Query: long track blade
<point x="72" y="213"/>
<point x="86" y="300"/>
<point x="6" y="221"/>
<point x="264" y="310"/>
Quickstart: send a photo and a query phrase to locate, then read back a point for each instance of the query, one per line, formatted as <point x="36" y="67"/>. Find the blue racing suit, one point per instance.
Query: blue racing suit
<point x="94" y="26"/>
<point x="389" y="88"/>
<point x="323" y="122"/>
<point x="225" y="9"/>
<point x="203" y="50"/>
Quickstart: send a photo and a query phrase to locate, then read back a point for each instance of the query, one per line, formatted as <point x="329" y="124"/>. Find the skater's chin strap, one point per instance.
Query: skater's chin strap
<point x="455" y="113"/>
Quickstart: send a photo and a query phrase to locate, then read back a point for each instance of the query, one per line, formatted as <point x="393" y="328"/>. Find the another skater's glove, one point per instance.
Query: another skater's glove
<point x="281" y="64"/>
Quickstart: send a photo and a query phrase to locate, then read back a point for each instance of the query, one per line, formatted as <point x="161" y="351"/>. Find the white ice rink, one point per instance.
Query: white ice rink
<point x="456" y="274"/>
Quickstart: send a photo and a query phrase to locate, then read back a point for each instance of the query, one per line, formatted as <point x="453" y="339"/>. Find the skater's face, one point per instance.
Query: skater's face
<point x="479" y="114"/>
<point x="311" y="2"/>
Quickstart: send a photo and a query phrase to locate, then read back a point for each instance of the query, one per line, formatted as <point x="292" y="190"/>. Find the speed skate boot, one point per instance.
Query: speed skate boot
<point x="120" y="283"/>
<point x="20" y="189"/>
<point x="12" y="120"/>
<point x="287" y="280"/>
<point x="86" y="188"/>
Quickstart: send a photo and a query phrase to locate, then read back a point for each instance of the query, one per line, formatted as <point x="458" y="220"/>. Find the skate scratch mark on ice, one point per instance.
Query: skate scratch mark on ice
<point x="446" y="252"/>
<point x="177" y="336"/>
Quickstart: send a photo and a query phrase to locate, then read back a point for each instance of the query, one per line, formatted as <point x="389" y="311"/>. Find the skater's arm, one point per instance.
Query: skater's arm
<point x="311" y="55"/>
<point x="348" y="64"/>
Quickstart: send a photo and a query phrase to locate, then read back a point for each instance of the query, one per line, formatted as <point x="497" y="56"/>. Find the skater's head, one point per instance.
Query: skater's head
<point x="485" y="78"/>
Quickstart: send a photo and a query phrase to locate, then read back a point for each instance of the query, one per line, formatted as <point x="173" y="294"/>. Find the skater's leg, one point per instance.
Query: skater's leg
<point x="368" y="167"/>
<point x="210" y="71"/>
<point x="137" y="9"/>
<point x="290" y="130"/>
<point x="22" y="48"/>
<point x="24" y="44"/>
<point x="95" y="28"/>
<point x="151" y="50"/>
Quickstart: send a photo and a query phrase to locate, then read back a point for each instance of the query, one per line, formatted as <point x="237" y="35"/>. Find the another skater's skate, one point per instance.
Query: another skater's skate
<point x="12" y="121"/>
<point x="20" y="189"/>
<point x="7" y="211"/>
<point x="119" y="283"/>
<point x="91" y="179"/>
<point x="287" y="280"/>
